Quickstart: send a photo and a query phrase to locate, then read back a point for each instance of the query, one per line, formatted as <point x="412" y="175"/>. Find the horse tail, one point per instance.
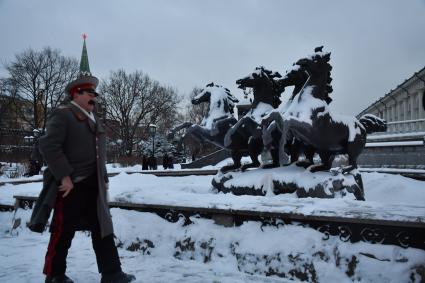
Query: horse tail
<point x="372" y="123"/>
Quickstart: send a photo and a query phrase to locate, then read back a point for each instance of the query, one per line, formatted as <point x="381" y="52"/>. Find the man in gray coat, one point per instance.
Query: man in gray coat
<point x="76" y="183"/>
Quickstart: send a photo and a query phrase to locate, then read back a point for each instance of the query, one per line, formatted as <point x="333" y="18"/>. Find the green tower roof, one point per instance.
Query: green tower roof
<point x="84" y="63"/>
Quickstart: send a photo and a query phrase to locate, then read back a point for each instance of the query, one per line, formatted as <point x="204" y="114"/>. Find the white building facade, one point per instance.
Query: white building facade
<point x="404" y="107"/>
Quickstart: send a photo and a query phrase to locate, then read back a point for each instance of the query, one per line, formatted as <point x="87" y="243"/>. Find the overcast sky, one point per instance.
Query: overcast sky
<point x="375" y="45"/>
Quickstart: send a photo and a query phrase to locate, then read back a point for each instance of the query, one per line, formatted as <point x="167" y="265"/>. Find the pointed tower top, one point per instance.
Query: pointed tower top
<point x="85" y="77"/>
<point x="84" y="63"/>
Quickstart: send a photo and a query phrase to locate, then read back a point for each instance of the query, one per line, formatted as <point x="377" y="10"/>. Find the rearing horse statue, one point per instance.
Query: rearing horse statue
<point x="218" y="120"/>
<point x="245" y="135"/>
<point x="297" y="76"/>
<point x="309" y="119"/>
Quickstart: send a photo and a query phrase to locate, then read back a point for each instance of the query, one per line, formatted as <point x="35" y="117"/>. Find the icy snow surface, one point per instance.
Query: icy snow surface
<point x="229" y="251"/>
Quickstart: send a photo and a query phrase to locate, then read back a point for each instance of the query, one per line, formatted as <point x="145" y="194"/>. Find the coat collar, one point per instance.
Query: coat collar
<point x="87" y="114"/>
<point x="77" y="112"/>
<point x="94" y="127"/>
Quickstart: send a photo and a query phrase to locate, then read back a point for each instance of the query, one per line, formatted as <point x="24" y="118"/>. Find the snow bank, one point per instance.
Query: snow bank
<point x="156" y="250"/>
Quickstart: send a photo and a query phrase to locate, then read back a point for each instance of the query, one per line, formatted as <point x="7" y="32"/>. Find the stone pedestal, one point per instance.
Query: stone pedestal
<point x="292" y="180"/>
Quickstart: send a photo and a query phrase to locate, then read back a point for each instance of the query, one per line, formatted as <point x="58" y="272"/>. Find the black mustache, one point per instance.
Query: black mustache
<point x="91" y="102"/>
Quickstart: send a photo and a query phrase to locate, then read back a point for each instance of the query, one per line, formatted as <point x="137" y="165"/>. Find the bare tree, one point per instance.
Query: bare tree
<point x="40" y="78"/>
<point x="135" y="101"/>
<point x="167" y="114"/>
<point x="6" y="99"/>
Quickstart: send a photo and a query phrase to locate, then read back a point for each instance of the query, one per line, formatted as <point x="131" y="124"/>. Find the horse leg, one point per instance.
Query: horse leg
<point x="309" y="154"/>
<point x="347" y="169"/>
<point x="294" y="150"/>
<point x="326" y="164"/>
<point x="271" y="136"/>
<point x="255" y="146"/>
<point x="274" y="150"/>
<point x="275" y="157"/>
<point x="236" y="157"/>
<point x="353" y="150"/>
<point x="267" y="135"/>
<point x="171" y="134"/>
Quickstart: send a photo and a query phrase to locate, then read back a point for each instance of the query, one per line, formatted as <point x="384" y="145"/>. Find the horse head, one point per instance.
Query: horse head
<point x="260" y="76"/>
<point x="264" y="86"/>
<point x="218" y="96"/>
<point x="319" y="74"/>
<point x="296" y="76"/>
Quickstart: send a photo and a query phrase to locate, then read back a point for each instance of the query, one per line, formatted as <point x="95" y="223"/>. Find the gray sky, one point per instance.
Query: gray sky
<point x="375" y="45"/>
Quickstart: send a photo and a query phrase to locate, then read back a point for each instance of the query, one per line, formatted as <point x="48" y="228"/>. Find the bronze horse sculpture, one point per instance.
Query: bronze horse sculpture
<point x="297" y="76"/>
<point x="245" y="135"/>
<point x="218" y="120"/>
<point x="309" y="119"/>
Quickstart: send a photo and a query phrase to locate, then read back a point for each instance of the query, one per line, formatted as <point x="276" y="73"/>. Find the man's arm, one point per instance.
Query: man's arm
<point x="51" y="145"/>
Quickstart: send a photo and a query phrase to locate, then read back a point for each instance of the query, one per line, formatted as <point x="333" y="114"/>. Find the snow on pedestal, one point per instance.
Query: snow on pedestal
<point x="291" y="180"/>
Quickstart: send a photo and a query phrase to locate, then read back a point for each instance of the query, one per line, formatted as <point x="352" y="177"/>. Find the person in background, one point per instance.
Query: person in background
<point x="145" y="163"/>
<point x="170" y="162"/>
<point x="165" y="161"/>
<point x="36" y="160"/>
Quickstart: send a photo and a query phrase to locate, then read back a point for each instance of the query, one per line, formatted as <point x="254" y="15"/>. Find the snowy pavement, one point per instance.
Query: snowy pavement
<point x="158" y="251"/>
<point x="22" y="258"/>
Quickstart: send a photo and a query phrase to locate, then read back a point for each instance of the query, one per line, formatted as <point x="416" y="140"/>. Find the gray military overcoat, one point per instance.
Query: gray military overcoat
<point x="70" y="137"/>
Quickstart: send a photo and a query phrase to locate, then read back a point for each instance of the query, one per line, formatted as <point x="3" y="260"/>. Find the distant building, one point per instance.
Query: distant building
<point x="403" y="107"/>
<point x="13" y="127"/>
<point x="402" y="146"/>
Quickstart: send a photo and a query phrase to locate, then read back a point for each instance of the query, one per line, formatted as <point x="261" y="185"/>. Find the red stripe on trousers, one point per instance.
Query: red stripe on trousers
<point x="56" y="234"/>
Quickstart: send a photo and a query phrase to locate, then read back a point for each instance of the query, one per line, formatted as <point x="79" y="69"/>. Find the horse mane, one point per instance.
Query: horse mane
<point x="276" y="89"/>
<point x="324" y="58"/>
<point x="231" y="99"/>
<point x="328" y="87"/>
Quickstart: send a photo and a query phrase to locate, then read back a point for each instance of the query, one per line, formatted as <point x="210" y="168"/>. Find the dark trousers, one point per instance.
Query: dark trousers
<point x="77" y="211"/>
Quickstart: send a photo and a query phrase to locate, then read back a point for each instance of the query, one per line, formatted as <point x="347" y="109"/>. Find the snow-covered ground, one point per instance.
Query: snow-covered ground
<point x="159" y="251"/>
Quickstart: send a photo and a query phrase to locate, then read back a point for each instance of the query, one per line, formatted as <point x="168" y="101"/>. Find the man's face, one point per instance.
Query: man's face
<point x="86" y="99"/>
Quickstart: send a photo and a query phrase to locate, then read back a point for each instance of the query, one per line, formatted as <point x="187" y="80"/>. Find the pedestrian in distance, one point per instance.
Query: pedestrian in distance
<point x="165" y="161"/>
<point x="145" y="163"/>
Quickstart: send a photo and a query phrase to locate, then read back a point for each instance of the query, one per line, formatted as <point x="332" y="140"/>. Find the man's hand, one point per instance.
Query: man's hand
<point x="66" y="186"/>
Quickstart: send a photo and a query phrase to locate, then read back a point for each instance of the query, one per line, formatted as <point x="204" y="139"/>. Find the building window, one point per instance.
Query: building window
<point x="395" y="113"/>
<point x="423" y="99"/>
<point x="415" y="108"/>
<point x="401" y="107"/>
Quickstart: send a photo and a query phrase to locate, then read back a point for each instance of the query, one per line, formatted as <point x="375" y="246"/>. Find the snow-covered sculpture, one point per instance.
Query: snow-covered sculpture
<point x="245" y="135"/>
<point x="219" y="118"/>
<point x="296" y="77"/>
<point x="307" y="118"/>
<point x="306" y="124"/>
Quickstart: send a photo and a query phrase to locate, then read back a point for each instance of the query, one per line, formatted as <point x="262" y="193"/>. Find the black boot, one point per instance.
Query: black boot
<point x="117" y="277"/>
<point x="58" y="279"/>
